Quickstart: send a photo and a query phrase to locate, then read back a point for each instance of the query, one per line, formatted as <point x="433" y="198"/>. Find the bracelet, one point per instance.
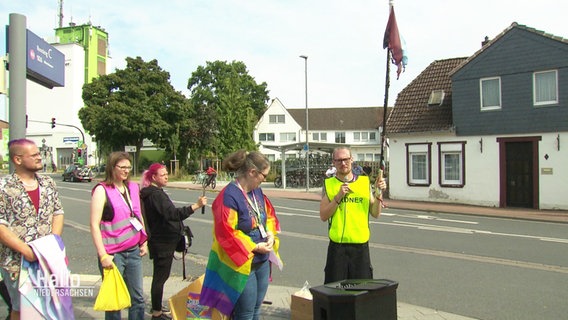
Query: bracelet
<point x="106" y="255"/>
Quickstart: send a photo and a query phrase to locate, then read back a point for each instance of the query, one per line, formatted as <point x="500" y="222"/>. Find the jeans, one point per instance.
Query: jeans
<point x="129" y="263"/>
<point x="248" y="304"/>
<point x="12" y="286"/>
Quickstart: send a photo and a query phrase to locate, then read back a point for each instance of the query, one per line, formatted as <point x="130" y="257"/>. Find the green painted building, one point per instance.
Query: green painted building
<point x="94" y="40"/>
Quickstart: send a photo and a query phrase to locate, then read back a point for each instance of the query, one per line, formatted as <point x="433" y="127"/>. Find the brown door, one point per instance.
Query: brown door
<point x="519" y="174"/>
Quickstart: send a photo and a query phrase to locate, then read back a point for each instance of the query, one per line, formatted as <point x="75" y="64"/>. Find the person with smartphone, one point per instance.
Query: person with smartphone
<point x="347" y="200"/>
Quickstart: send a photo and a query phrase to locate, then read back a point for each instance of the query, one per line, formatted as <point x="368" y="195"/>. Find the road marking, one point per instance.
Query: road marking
<point x="437" y="253"/>
<point x="445" y="254"/>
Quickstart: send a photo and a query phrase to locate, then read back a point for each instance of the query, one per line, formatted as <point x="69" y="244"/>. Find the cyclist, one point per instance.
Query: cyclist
<point x="212" y="174"/>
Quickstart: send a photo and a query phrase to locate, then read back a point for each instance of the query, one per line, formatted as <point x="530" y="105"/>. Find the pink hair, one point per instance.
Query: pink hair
<point x="152" y="170"/>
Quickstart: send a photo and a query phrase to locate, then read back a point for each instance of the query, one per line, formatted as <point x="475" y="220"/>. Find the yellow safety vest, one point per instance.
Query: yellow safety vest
<point x="350" y="222"/>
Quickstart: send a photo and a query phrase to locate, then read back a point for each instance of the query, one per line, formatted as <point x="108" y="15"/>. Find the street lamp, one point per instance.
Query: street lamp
<point x="307" y="126"/>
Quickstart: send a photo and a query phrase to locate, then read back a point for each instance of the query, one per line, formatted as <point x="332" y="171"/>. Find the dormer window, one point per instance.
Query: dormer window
<point x="436" y="98"/>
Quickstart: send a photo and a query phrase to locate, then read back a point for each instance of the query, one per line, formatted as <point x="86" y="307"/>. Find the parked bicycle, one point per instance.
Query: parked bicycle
<point x="199" y="177"/>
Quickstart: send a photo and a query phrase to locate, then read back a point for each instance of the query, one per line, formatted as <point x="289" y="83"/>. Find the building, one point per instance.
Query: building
<point x="486" y="129"/>
<point x="86" y="56"/>
<point x="281" y="132"/>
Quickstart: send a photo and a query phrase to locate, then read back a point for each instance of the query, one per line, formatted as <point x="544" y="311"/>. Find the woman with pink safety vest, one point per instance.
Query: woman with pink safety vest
<point x="118" y="229"/>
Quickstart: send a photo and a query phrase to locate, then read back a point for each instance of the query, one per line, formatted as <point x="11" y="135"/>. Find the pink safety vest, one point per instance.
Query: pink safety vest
<point x="119" y="234"/>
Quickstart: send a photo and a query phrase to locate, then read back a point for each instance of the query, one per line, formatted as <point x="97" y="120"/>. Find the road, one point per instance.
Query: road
<point x="480" y="267"/>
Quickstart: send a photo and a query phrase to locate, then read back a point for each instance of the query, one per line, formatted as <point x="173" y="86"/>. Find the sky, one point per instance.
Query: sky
<point x="346" y="65"/>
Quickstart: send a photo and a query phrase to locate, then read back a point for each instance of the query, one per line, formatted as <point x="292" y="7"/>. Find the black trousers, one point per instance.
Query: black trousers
<point x="347" y="261"/>
<point x="162" y="255"/>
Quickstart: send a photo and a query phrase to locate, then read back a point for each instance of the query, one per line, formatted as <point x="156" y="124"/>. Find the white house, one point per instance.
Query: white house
<point x="283" y="131"/>
<point x="486" y="129"/>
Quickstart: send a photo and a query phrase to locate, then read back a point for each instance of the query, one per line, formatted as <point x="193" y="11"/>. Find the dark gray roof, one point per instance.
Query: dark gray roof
<point x="500" y="35"/>
<point x="356" y="118"/>
<point x="411" y="111"/>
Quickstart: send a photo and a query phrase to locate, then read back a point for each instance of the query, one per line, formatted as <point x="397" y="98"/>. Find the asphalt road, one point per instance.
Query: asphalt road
<point x="481" y="267"/>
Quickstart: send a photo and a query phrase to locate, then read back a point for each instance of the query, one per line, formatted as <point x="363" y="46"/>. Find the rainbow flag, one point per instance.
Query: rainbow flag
<point x="231" y="254"/>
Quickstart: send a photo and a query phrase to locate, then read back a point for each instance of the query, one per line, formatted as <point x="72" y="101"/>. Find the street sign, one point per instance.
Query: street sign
<point x="130" y="148"/>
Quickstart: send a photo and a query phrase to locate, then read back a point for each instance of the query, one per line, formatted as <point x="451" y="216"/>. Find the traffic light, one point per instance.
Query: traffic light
<point x="52" y="123"/>
<point x="79" y="152"/>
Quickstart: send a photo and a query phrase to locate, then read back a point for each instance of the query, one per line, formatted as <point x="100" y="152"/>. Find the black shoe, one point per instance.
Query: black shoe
<point x="163" y="316"/>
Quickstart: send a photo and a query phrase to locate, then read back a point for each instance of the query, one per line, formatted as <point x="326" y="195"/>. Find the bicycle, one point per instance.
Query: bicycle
<point x="199" y="177"/>
<point x="210" y="180"/>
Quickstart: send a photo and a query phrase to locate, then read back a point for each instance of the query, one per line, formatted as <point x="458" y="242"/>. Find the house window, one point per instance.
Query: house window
<point x="436" y="98"/>
<point x="364" y="136"/>
<point x="340" y="137"/>
<point x="545" y="86"/>
<point x="319" y="136"/>
<point x="418" y="170"/>
<point x="490" y="93"/>
<point x="288" y="137"/>
<point x="276" y="118"/>
<point x="266" y="136"/>
<point x="451" y="164"/>
<point x="270" y="157"/>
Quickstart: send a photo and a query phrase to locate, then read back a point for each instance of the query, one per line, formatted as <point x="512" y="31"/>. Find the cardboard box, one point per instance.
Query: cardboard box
<point x="185" y="304"/>
<point x="301" y="307"/>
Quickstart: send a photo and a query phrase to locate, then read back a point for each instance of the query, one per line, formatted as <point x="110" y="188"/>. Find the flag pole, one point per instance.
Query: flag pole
<point x="386" y="102"/>
<point x="385" y="106"/>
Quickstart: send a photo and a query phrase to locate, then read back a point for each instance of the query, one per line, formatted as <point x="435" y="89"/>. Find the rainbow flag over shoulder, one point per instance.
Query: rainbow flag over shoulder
<point x="231" y="255"/>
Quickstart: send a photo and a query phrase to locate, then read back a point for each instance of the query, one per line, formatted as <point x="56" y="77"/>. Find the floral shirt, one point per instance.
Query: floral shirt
<point x="17" y="212"/>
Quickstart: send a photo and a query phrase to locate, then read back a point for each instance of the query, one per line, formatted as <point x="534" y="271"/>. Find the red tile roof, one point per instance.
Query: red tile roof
<point x="411" y="111"/>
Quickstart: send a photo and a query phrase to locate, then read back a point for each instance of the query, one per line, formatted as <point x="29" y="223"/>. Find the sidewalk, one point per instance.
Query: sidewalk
<point x="279" y="296"/>
<point x="315" y="194"/>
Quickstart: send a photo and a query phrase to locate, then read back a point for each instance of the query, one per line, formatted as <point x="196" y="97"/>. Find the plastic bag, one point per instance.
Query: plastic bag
<point x="113" y="294"/>
<point x="305" y="291"/>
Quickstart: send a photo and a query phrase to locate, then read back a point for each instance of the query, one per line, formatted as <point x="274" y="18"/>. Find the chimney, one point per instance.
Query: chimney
<point x="484" y="42"/>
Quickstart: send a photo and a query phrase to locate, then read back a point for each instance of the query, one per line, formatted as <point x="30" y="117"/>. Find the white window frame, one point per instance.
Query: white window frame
<point x="413" y="151"/>
<point x="319" y="136"/>
<point x="364" y="136"/>
<point x="266" y="134"/>
<point x="538" y="85"/>
<point x="454" y="148"/>
<point x="339" y="137"/>
<point x="444" y="168"/>
<point x="481" y="91"/>
<point x="288" y="137"/>
<point x="276" y="119"/>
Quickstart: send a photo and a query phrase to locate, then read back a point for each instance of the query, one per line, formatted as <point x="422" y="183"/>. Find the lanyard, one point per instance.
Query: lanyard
<point x="125" y="197"/>
<point x="253" y="204"/>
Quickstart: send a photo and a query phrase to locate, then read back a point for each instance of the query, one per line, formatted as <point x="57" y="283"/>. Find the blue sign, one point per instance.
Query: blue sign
<point x="70" y="139"/>
<point x="45" y="64"/>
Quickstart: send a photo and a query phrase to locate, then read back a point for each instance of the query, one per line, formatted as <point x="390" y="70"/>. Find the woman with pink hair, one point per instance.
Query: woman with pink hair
<point x="165" y="228"/>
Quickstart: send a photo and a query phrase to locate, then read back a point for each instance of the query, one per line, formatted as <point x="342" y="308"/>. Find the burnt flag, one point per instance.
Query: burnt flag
<point x="395" y="43"/>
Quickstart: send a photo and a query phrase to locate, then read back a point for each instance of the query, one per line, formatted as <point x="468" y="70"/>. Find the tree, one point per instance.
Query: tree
<point x="228" y="103"/>
<point x="126" y="107"/>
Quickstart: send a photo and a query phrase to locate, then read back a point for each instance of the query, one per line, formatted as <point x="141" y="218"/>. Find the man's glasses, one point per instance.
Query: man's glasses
<point x="346" y="160"/>
<point x="125" y="168"/>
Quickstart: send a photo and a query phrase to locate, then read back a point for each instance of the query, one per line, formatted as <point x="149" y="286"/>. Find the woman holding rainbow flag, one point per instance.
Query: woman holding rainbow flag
<point x="245" y="241"/>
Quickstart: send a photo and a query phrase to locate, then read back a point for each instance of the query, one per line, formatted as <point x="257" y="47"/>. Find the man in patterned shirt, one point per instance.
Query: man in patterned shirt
<point x="29" y="209"/>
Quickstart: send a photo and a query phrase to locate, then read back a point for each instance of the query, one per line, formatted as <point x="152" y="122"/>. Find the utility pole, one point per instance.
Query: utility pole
<point x="307" y="125"/>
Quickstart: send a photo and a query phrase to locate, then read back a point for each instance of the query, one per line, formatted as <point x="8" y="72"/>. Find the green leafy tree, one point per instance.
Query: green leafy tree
<point x="228" y="103"/>
<point x="127" y="106"/>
